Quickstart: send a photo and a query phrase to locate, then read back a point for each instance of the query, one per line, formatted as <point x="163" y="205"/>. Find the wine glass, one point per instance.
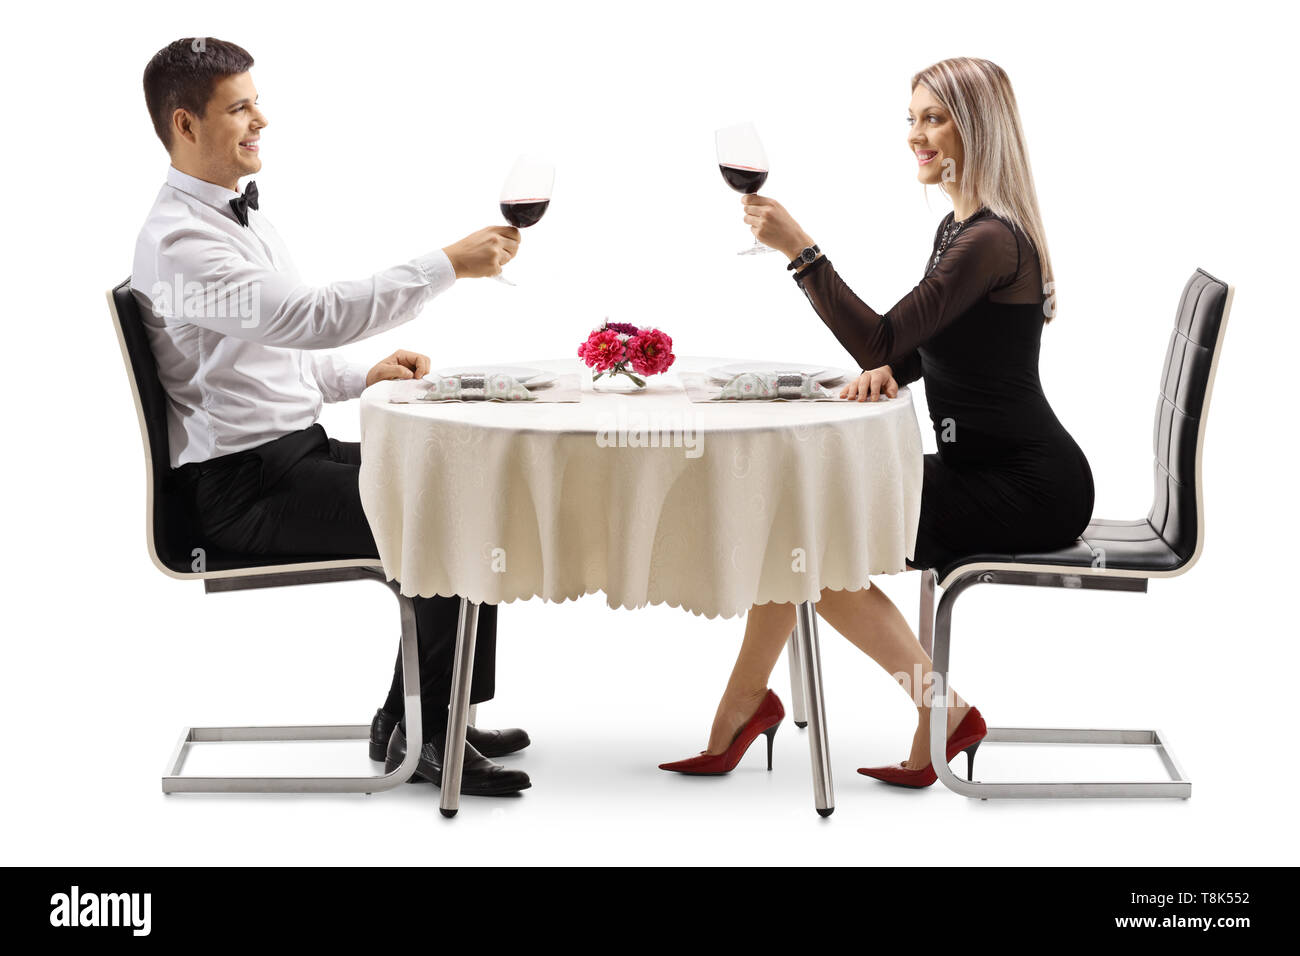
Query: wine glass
<point x="526" y="194"/>
<point x="743" y="163"/>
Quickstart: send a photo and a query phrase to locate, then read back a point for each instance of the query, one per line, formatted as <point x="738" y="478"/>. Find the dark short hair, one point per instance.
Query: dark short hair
<point x="182" y="76"/>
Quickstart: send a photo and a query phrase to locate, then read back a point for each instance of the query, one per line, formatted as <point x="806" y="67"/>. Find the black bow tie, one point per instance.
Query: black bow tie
<point x="240" y="204"/>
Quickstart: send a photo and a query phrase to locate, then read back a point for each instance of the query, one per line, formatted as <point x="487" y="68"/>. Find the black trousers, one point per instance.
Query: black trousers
<point x="298" y="495"/>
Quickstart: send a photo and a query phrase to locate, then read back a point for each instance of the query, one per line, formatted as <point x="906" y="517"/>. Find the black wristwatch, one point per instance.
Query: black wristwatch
<point x="803" y="258"/>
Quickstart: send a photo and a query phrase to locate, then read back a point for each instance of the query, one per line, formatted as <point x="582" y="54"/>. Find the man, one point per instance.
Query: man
<point x="235" y="333"/>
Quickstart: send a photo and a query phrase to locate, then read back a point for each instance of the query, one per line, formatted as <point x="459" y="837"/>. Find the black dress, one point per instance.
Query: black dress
<point x="1007" y="477"/>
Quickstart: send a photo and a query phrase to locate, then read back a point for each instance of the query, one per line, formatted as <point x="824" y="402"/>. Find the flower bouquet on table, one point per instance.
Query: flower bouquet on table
<point x="619" y="349"/>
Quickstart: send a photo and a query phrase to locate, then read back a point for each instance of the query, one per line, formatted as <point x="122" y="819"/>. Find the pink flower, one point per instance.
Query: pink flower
<point x="602" y="350"/>
<point x="650" y="351"/>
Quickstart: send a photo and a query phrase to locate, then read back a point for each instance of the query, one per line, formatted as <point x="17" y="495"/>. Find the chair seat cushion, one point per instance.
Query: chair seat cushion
<point x="1115" y="545"/>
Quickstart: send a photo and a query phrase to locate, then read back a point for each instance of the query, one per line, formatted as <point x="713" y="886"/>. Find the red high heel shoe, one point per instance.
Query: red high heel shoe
<point x="766" y="719"/>
<point x="966" y="736"/>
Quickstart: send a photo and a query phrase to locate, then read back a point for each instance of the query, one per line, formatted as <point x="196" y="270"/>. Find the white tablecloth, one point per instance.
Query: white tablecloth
<point x="648" y="497"/>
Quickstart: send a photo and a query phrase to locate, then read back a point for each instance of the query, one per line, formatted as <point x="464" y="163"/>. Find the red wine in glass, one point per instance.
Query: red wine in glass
<point x="522" y="213"/>
<point x="743" y="163"/>
<point x="526" y="195"/>
<point x="743" y="179"/>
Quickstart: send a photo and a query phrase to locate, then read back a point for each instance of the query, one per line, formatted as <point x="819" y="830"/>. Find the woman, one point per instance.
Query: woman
<point x="1007" y="477"/>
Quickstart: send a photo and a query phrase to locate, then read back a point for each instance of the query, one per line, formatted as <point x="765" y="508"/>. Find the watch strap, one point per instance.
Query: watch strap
<point x="804" y="257"/>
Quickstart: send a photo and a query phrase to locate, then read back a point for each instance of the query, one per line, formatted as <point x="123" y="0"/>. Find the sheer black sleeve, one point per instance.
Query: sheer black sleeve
<point x="906" y="369"/>
<point x="984" y="256"/>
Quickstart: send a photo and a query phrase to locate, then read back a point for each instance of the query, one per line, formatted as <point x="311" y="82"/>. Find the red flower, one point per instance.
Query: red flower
<point x="602" y="350"/>
<point x="650" y="351"/>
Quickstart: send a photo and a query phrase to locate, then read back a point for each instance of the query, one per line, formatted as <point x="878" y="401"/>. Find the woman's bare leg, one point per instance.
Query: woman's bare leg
<point x="767" y="628"/>
<point x="871" y="621"/>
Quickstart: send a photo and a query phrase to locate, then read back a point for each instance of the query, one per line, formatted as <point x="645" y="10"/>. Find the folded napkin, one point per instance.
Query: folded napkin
<point x="771" y="385"/>
<point x="496" y="387"/>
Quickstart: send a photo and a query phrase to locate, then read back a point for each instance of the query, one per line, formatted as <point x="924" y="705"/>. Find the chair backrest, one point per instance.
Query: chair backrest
<point x="169" y="532"/>
<point x="1190" y="362"/>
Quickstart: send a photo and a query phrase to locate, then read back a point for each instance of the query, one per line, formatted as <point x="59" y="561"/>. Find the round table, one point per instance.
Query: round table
<point x="648" y="497"/>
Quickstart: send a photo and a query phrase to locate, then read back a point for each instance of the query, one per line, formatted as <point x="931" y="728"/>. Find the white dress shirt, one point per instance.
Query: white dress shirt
<point x="229" y="319"/>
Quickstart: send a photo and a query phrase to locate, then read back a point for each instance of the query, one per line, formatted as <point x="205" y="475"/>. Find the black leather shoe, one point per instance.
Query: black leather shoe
<point x="381" y="728"/>
<point x="480" y="776"/>
<point x="497" y="743"/>
<point x="490" y="743"/>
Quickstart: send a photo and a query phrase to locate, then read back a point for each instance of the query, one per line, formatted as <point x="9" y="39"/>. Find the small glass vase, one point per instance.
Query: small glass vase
<point x="617" y="380"/>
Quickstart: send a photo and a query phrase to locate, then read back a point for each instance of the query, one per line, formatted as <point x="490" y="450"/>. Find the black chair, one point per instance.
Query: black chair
<point x="1110" y="555"/>
<point x="177" y="551"/>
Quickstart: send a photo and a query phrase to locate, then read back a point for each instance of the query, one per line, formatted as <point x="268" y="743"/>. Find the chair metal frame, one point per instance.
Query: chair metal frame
<point x="936" y="638"/>
<point x="174" y="781"/>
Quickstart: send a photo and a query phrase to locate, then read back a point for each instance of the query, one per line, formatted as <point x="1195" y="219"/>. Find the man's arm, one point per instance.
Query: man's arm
<point x="227" y="293"/>
<point x="338" y="379"/>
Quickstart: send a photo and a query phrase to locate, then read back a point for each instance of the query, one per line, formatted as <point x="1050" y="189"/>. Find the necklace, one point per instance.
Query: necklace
<point x="949" y="233"/>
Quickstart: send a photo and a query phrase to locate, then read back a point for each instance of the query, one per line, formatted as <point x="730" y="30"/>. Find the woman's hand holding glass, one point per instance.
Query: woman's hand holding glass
<point x="870" y="385"/>
<point x="773" y="226"/>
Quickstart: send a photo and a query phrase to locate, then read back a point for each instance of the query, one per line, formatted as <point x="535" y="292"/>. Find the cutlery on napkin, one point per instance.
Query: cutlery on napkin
<point x="467" y="387"/>
<point x="771" y="385"/>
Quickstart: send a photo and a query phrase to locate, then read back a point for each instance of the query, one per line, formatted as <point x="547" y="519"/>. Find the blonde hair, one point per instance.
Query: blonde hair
<point x="996" y="171"/>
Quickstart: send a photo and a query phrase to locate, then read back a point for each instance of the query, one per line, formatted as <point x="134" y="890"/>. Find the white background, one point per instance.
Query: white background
<point x="1162" y="139"/>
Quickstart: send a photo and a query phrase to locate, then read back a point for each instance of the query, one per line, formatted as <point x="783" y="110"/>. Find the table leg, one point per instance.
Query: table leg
<point x="796" y="682"/>
<point x="805" y="626"/>
<point x="925" y="630"/>
<point x="453" y="753"/>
